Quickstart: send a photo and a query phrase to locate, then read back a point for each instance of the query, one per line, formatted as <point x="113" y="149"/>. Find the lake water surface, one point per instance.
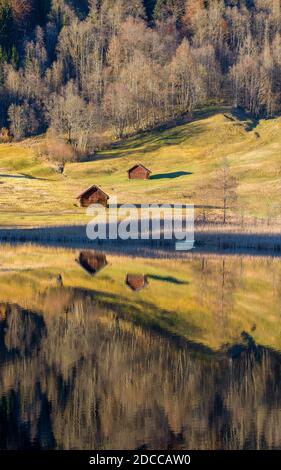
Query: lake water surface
<point x="106" y="351"/>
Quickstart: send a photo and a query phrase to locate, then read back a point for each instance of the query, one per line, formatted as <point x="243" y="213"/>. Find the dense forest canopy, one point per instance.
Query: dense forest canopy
<point x="82" y="66"/>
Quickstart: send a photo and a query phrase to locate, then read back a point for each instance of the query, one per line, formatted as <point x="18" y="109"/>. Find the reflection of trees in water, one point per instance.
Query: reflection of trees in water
<point x="23" y="330"/>
<point x="82" y="378"/>
<point x="216" y="281"/>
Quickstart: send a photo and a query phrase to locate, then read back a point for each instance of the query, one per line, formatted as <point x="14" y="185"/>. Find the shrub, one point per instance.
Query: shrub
<point x="5" y="136"/>
<point x="58" y="151"/>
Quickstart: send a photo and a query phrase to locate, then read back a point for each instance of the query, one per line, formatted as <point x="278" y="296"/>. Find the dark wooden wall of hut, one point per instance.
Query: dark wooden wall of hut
<point x="139" y="173"/>
<point x="96" y="197"/>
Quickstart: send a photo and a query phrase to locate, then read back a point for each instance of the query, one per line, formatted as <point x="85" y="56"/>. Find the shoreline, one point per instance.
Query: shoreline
<point x="208" y="239"/>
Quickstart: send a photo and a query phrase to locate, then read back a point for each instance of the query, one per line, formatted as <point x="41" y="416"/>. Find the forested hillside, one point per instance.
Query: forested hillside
<point x="84" y="67"/>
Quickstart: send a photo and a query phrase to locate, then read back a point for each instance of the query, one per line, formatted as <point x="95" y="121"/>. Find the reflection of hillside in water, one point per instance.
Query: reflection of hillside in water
<point x="83" y="377"/>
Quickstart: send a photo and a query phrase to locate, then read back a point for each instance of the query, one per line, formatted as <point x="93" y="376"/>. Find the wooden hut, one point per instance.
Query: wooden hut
<point x="136" y="282"/>
<point x="91" y="261"/>
<point x="139" y="172"/>
<point x="93" y="195"/>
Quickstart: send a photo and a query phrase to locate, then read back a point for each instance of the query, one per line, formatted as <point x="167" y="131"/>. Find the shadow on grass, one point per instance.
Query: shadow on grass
<point x="172" y="175"/>
<point x="23" y="176"/>
<point x="250" y="122"/>
<point x="169" y="279"/>
<point x="151" y="141"/>
<point x="174" y="133"/>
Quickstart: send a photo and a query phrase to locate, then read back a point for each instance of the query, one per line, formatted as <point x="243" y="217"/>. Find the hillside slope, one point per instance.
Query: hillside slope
<point x="182" y="160"/>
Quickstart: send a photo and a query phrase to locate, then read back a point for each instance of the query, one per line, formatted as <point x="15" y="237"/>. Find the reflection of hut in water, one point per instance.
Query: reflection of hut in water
<point x="91" y="261"/>
<point x="136" y="282"/>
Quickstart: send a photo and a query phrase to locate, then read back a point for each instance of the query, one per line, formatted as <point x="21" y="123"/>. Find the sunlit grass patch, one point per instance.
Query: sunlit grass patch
<point x="181" y="160"/>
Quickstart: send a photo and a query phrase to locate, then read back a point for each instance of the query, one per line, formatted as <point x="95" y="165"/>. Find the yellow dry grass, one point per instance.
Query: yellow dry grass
<point x="181" y="159"/>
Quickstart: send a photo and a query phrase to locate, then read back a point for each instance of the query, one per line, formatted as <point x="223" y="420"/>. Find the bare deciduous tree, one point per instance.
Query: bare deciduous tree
<point x="117" y="106"/>
<point x="23" y="120"/>
<point x="186" y="84"/>
<point x="224" y="188"/>
<point x="134" y="74"/>
<point x="71" y="115"/>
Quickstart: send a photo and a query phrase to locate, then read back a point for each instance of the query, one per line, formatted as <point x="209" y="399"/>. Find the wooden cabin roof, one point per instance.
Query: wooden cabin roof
<point x="137" y="166"/>
<point x="92" y="188"/>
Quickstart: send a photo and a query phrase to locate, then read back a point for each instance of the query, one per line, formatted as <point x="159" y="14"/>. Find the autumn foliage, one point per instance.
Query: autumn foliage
<point x="130" y="66"/>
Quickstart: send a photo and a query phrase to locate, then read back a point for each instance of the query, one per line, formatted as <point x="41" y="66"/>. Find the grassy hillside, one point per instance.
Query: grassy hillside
<point x="182" y="159"/>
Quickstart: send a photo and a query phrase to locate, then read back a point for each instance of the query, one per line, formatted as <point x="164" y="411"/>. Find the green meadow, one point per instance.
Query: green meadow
<point x="182" y="159"/>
